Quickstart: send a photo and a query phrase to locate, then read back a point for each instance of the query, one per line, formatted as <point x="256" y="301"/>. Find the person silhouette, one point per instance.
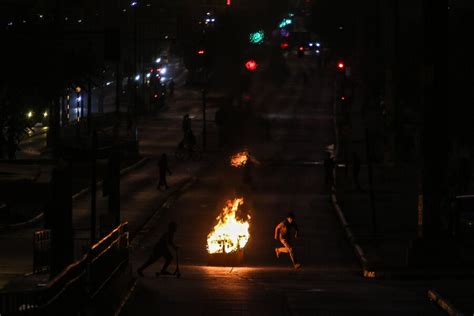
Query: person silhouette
<point x="283" y="233"/>
<point x="163" y="169"/>
<point x="162" y="249"/>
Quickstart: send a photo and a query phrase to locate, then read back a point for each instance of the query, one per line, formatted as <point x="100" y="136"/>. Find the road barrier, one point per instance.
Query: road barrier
<point x="76" y="286"/>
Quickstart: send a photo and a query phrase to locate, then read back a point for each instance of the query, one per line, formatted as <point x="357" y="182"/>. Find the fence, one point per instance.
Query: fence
<point x="80" y="282"/>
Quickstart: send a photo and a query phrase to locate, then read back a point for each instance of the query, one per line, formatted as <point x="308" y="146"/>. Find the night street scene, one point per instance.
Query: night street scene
<point x="236" y="157"/>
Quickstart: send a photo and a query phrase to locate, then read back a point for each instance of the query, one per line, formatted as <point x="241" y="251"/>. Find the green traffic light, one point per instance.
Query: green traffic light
<point x="257" y="37"/>
<point x="284" y="23"/>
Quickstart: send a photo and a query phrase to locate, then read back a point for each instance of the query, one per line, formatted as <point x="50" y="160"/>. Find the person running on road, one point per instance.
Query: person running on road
<point x="163" y="169"/>
<point x="162" y="249"/>
<point x="283" y="232"/>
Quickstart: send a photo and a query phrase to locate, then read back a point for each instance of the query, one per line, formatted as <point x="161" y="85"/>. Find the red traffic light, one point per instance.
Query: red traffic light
<point x="343" y="98"/>
<point x="251" y="65"/>
<point x="301" y="48"/>
<point x="284" y="45"/>
<point x="201" y="52"/>
<point x="340" y="65"/>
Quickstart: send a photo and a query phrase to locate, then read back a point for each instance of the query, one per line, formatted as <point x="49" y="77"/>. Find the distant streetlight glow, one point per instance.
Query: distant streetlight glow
<point x="29" y="114"/>
<point x="45" y="114"/>
<point x="137" y="77"/>
<point x="134" y="3"/>
<point x="163" y="71"/>
<point x="158" y="60"/>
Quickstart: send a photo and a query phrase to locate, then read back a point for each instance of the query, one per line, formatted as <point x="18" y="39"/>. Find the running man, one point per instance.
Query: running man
<point x="283" y="232"/>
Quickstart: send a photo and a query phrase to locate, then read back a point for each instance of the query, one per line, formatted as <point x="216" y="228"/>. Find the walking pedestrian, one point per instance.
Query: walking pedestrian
<point x="328" y="171"/>
<point x="163" y="169"/>
<point x="162" y="249"/>
<point x="283" y="233"/>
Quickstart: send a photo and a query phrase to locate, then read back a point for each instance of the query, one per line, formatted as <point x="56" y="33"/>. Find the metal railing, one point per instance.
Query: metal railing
<point x="76" y="285"/>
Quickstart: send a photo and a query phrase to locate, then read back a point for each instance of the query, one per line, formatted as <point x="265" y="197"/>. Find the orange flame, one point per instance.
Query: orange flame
<point x="239" y="159"/>
<point x="230" y="233"/>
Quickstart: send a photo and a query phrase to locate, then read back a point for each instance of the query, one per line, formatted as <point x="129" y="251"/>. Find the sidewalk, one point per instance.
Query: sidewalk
<point x="140" y="199"/>
<point x="383" y="230"/>
<point x="395" y="204"/>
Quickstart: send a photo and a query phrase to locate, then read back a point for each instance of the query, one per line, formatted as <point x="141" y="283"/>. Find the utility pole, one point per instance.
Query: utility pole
<point x="135" y="66"/>
<point x="204" y="106"/>
<point x="93" y="184"/>
<point x="435" y="137"/>
<point x="371" y="183"/>
<point x="89" y="106"/>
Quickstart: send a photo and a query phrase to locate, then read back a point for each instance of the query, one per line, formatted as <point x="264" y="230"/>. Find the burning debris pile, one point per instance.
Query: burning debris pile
<point x="239" y="159"/>
<point x="231" y="233"/>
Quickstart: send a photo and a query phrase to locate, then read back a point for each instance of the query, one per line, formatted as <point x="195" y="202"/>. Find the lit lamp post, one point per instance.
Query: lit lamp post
<point x="79" y="104"/>
<point x="134" y="5"/>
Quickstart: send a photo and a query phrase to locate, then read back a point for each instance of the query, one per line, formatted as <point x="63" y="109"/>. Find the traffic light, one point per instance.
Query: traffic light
<point x="301" y="51"/>
<point x="251" y="65"/>
<point x="341" y="66"/>
<point x="201" y="52"/>
<point x="284" y="45"/>
<point x="257" y="37"/>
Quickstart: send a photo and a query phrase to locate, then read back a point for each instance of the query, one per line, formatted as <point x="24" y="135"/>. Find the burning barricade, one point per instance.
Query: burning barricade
<point x="226" y="241"/>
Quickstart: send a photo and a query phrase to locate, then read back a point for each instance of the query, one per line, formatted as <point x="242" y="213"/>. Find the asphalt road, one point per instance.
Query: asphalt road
<point x="329" y="282"/>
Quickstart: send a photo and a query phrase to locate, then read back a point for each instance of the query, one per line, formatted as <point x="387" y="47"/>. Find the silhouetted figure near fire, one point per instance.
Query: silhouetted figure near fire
<point x="247" y="177"/>
<point x="283" y="233"/>
<point x="162" y="249"/>
<point x="163" y="169"/>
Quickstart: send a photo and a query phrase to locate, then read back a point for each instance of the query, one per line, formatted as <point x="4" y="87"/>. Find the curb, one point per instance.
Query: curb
<point x="75" y="197"/>
<point x="443" y="303"/>
<point x="168" y="201"/>
<point x="367" y="272"/>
